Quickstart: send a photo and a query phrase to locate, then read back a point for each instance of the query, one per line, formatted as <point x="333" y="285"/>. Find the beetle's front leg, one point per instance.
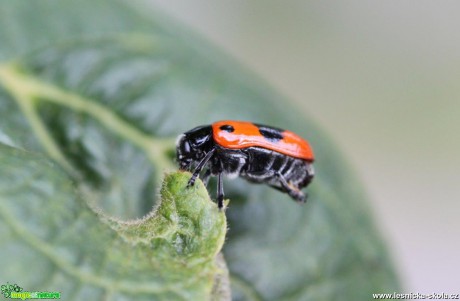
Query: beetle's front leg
<point x="199" y="167"/>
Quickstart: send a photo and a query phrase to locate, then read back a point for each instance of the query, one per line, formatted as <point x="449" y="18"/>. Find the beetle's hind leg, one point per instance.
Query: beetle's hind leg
<point x="293" y="192"/>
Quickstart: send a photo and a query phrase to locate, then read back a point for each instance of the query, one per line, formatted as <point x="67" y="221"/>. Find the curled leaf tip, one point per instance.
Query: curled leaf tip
<point x="186" y="221"/>
<point x="196" y="218"/>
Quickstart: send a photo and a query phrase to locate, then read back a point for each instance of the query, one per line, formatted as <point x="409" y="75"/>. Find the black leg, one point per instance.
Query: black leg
<point x="293" y="192"/>
<point x="200" y="166"/>
<point x="220" y="191"/>
<point x="206" y="176"/>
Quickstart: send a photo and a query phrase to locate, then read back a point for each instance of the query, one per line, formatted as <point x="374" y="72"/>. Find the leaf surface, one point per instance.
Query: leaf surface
<point x="51" y="238"/>
<point x="102" y="91"/>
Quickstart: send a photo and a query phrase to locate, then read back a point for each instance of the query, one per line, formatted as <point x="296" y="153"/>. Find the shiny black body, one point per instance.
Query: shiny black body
<point x="197" y="150"/>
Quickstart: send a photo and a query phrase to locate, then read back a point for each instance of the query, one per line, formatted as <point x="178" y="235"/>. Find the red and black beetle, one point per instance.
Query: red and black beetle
<point x="258" y="153"/>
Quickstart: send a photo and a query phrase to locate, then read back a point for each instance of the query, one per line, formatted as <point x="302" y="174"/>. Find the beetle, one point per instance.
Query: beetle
<point x="255" y="152"/>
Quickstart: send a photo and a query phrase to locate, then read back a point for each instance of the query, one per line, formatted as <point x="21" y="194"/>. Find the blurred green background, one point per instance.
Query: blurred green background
<point x="382" y="78"/>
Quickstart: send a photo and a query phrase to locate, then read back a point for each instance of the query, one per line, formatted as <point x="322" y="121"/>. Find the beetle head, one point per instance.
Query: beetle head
<point x="193" y="145"/>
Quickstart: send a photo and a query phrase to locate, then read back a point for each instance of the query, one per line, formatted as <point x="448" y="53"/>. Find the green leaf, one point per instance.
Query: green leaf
<point x="51" y="238"/>
<point x="103" y="90"/>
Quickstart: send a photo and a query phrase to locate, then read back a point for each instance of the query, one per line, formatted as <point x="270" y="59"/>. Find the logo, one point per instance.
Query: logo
<point x="14" y="291"/>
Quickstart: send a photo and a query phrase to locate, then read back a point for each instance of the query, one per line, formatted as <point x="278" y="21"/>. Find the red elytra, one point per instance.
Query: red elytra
<point x="247" y="134"/>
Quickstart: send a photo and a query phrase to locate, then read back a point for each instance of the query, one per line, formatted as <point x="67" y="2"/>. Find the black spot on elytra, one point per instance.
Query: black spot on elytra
<point x="227" y="128"/>
<point x="270" y="133"/>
